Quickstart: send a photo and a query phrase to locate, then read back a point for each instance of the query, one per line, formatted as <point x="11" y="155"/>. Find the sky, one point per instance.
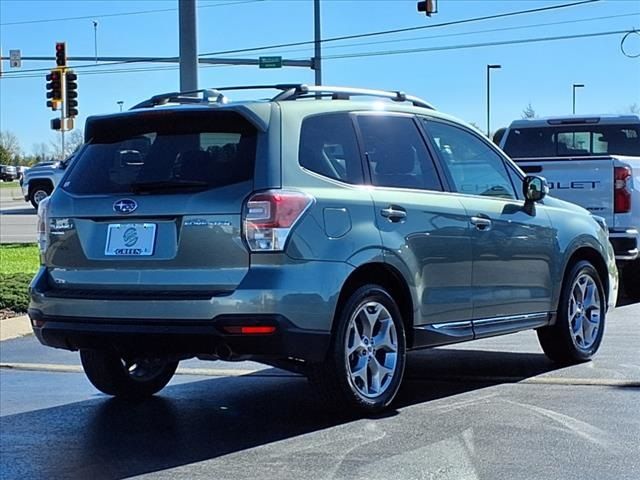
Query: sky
<point x="452" y="79"/>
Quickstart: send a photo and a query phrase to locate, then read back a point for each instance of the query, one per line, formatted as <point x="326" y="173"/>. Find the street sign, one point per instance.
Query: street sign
<point x="15" y="59"/>
<point x="270" y="62"/>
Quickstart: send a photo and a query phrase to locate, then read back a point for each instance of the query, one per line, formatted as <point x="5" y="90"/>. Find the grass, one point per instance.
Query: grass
<point x="18" y="264"/>
<point x="15" y="184"/>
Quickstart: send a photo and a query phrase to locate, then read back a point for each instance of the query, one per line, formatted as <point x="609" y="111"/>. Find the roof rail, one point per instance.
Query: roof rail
<point x="209" y="95"/>
<point x="345" y="93"/>
<point x="287" y="92"/>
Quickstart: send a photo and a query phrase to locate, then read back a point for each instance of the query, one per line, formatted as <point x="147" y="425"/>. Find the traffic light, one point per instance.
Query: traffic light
<point x="71" y="90"/>
<point x="54" y="89"/>
<point x="427" y="6"/>
<point x="61" y="54"/>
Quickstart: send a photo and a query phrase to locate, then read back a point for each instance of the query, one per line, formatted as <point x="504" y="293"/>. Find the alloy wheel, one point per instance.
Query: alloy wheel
<point x="371" y="349"/>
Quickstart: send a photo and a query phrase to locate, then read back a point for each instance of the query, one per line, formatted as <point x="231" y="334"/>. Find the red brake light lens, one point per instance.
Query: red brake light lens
<point x="622" y="190"/>
<point x="251" y="330"/>
<point x="269" y="217"/>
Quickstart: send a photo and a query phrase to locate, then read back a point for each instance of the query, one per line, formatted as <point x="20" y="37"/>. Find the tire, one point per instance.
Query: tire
<point x="367" y="379"/>
<point x="631" y="280"/>
<point x="579" y="327"/>
<point x="38" y="193"/>
<point x="131" y="378"/>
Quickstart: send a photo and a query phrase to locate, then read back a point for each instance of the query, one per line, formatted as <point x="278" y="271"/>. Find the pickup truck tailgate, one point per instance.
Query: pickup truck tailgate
<point x="587" y="182"/>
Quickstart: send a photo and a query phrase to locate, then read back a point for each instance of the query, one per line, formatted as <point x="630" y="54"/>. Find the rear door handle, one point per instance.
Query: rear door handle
<point x="394" y="213"/>
<point x="482" y="223"/>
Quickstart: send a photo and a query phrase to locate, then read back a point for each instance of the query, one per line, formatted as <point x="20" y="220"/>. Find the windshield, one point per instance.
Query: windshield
<point x="169" y="152"/>
<point x="569" y="141"/>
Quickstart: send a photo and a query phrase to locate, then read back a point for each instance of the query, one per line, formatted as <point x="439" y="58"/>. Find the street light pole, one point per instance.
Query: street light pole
<point x="575" y="85"/>
<point x="489" y="68"/>
<point x="120" y="102"/>
<point x="95" y="39"/>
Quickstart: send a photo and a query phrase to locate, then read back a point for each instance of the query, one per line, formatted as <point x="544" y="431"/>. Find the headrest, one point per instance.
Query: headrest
<point x="395" y="160"/>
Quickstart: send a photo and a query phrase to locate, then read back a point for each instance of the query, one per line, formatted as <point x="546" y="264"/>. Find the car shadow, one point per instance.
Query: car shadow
<point x="206" y="419"/>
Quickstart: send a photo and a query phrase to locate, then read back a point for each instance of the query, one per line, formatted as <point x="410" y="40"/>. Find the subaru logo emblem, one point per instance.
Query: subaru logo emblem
<point x="125" y="205"/>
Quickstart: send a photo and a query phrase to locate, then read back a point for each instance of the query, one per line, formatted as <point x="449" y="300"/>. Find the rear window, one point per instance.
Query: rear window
<point x="164" y="151"/>
<point x="570" y="141"/>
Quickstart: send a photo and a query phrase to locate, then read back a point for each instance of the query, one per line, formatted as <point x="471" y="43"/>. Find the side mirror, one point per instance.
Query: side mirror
<point x="534" y="188"/>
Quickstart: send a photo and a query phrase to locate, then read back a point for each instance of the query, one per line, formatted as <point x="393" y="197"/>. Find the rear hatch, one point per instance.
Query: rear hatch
<point x="575" y="158"/>
<point x="152" y="206"/>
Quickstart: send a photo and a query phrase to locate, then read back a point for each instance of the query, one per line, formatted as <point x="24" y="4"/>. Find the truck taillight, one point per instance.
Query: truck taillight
<point x="622" y="190"/>
<point x="43" y="224"/>
<point x="269" y="216"/>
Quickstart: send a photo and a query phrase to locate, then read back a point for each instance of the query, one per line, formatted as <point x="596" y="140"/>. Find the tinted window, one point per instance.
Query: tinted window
<point x="396" y="153"/>
<point x="328" y="146"/>
<point x="474" y="167"/>
<point x="561" y="141"/>
<point x="126" y="153"/>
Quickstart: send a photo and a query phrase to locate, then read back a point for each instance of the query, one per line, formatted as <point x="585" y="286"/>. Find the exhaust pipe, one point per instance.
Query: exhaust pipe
<point x="224" y="352"/>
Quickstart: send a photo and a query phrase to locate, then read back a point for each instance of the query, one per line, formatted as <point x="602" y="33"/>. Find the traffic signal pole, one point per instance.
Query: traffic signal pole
<point x="63" y="108"/>
<point x="317" y="55"/>
<point x="188" y="45"/>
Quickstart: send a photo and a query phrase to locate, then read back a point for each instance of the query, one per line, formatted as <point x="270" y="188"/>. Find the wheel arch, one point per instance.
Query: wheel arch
<point x="390" y="279"/>
<point x="36" y="182"/>
<point x="594" y="257"/>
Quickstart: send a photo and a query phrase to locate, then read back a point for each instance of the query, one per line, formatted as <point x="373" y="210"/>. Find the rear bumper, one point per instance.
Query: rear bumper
<point x="180" y="337"/>
<point x="625" y="243"/>
<point x="299" y="298"/>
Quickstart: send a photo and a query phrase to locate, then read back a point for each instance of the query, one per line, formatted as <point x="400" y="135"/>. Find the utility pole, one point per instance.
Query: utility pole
<point x="188" y="45"/>
<point x="317" y="55"/>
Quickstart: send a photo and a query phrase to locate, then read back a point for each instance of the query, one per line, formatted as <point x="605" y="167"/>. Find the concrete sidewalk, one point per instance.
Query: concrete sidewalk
<point x="15" y="327"/>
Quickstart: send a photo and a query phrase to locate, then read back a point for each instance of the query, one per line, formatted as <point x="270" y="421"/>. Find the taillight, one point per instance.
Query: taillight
<point x="622" y="190"/>
<point x="43" y="224"/>
<point x="269" y="217"/>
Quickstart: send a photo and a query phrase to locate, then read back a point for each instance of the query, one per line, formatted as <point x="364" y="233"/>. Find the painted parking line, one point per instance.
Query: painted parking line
<point x="202" y="372"/>
<point x="220" y="372"/>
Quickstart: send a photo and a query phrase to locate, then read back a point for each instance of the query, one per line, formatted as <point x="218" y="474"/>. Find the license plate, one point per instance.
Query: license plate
<point x="130" y="239"/>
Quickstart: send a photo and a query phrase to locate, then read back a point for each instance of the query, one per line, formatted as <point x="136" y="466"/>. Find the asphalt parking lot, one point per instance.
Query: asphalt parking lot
<point x="490" y="409"/>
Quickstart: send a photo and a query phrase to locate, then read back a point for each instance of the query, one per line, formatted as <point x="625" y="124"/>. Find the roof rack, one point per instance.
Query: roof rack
<point x="208" y="96"/>
<point x="287" y="92"/>
<point x="345" y="93"/>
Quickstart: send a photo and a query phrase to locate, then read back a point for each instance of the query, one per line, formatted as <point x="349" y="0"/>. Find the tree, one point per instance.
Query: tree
<point x="634" y="108"/>
<point x="41" y="151"/>
<point x="529" y="112"/>
<point x="9" y="148"/>
<point x="72" y="141"/>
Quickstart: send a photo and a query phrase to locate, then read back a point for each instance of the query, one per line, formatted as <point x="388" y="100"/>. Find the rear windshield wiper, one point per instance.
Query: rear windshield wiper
<point x="167" y="185"/>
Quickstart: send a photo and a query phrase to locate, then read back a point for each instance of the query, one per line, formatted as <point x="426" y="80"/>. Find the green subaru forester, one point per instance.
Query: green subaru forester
<point x="326" y="230"/>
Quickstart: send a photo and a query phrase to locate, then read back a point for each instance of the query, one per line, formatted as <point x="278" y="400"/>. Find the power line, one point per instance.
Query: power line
<point x="460" y="34"/>
<point x="346" y="37"/>
<point x="474" y="45"/>
<point x="406" y="29"/>
<point x="383" y="53"/>
<point x="122" y="14"/>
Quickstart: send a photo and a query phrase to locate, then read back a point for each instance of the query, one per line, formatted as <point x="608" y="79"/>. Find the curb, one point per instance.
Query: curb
<point x="15" y="327"/>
